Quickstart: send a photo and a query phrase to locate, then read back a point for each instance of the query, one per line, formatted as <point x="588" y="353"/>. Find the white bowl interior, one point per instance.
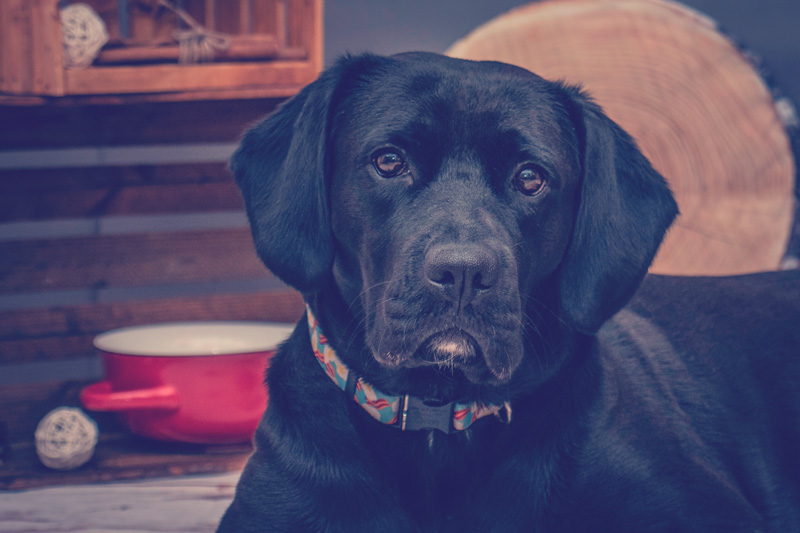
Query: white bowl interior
<point x="194" y="338"/>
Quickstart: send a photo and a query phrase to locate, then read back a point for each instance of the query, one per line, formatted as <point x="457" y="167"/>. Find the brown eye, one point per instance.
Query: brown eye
<point x="530" y="180"/>
<point x="389" y="164"/>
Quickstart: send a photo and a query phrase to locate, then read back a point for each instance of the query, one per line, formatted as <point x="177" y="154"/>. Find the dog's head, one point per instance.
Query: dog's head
<point x="461" y="210"/>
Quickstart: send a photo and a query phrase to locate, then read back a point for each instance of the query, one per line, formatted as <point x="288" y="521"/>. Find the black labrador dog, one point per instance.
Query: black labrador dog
<point x="483" y="350"/>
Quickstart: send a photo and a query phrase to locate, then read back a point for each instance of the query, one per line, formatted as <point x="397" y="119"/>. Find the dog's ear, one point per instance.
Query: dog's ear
<point x="280" y="167"/>
<point x="625" y="209"/>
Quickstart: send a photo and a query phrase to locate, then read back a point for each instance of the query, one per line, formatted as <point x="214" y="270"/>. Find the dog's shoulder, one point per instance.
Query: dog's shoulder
<point x="753" y="315"/>
<point x="779" y="286"/>
<point x="727" y="343"/>
<point x="699" y="375"/>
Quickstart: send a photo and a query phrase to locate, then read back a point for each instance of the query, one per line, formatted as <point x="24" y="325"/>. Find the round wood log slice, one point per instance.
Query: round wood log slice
<point x="693" y="101"/>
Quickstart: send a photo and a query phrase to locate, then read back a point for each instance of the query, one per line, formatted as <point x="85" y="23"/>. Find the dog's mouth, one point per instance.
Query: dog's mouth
<point x="449" y="347"/>
<point x="480" y="344"/>
<point x="453" y="351"/>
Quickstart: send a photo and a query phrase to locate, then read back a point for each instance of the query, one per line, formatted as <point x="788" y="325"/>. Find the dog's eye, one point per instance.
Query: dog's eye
<point x="389" y="164"/>
<point x="530" y="180"/>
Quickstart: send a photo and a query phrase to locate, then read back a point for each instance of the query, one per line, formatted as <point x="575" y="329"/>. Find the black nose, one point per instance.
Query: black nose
<point x="461" y="271"/>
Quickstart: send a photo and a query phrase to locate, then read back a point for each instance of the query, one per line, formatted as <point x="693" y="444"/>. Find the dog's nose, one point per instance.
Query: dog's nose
<point x="461" y="271"/>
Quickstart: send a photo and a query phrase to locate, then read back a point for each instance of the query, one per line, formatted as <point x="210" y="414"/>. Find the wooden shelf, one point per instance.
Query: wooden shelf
<point x="32" y="71"/>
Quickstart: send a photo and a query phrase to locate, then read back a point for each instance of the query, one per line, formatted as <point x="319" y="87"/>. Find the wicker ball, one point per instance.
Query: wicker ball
<point x="84" y="34"/>
<point x="65" y="438"/>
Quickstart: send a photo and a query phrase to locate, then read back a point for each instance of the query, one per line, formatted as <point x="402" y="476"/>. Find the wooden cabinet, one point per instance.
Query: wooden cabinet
<point x="272" y="48"/>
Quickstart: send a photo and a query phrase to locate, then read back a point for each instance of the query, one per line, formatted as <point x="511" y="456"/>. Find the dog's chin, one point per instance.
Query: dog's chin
<point x="448" y="347"/>
<point x="453" y="353"/>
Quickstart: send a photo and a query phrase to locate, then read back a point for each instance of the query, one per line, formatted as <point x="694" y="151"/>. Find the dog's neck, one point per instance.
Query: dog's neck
<point x="341" y="325"/>
<point x="402" y="411"/>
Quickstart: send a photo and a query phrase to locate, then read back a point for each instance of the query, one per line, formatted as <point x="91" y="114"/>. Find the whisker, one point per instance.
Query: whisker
<point x="367" y="289"/>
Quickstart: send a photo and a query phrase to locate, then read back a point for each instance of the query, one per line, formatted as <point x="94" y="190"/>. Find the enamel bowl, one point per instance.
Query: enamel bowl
<point x="198" y="382"/>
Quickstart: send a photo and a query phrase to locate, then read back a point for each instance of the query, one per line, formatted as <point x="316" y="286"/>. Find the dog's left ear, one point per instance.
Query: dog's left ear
<point x="280" y="167"/>
<point x="625" y="209"/>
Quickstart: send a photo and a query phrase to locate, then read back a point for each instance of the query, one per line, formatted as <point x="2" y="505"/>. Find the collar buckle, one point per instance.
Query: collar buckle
<point x="415" y="414"/>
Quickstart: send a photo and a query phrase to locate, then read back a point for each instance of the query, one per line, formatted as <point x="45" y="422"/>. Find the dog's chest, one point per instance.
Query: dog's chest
<point x="436" y="476"/>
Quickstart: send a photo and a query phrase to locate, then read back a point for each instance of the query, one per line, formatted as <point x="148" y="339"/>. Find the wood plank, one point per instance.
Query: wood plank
<point x="53" y="125"/>
<point x="211" y="15"/>
<point x="192" y="504"/>
<point x="187" y="78"/>
<point x="249" y="47"/>
<point x="37" y="194"/>
<point x="24" y="47"/>
<point x="276" y="91"/>
<point x="6" y="62"/>
<point x="264" y="18"/>
<point x="46" y="48"/>
<point x="128" y="260"/>
<point x="305" y="28"/>
<point x="317" y="35"/>
<point x="134" y="200"/>
<point x="15" y="46"/>
<point x="245" y="16"/>
<point x="284" y="305"/>
<point x="228" y="17"/>
<point x="65" y="179"/>
<point x="46" y="349"/>
<point x="67" y="332"/>
<point x="281" y="25"/>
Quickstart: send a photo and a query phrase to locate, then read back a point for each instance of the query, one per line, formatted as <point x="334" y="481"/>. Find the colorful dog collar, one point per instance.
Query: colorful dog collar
<point x="405" y="412"/>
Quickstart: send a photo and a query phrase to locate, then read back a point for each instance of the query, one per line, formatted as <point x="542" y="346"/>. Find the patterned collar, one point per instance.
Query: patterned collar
<point x="405" y="412"/>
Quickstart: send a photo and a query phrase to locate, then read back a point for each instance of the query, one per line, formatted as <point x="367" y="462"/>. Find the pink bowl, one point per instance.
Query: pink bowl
<point x="200" y="382"/>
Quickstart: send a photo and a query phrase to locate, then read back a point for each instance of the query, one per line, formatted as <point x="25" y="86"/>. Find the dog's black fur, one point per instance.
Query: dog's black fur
<point x="446" y="279"/>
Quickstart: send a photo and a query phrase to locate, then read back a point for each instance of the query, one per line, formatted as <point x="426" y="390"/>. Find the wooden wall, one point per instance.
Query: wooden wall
<point x="113" y="216"/>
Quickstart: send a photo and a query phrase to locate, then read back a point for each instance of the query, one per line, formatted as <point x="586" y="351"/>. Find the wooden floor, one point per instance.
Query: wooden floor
<point x="186" y="504"/>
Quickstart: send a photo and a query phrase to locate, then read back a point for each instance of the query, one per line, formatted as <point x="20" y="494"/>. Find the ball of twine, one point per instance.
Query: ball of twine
<point x="65" y="438"/>
<point x="84" y="34"/>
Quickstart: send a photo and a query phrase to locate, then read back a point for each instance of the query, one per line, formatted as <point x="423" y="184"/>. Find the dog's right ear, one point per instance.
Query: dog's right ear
<point x="280" y="167"/>
<point x="625" y="209"/>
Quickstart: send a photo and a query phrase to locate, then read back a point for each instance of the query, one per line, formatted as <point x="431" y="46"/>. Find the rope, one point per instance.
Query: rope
<point x="197" y="44"/>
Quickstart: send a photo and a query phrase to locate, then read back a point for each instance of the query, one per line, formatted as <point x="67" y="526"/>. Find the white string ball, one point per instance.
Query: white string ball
<point x="84" y="34"/>
<point x="65" y="438"/>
